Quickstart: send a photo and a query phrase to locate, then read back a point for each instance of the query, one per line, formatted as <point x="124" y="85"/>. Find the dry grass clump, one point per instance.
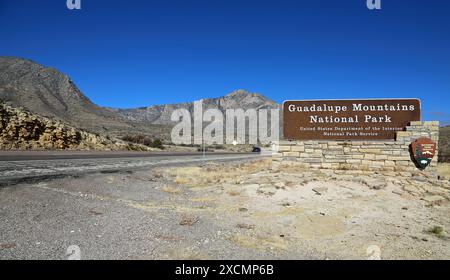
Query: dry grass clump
<point x="290" y="184"/>
<point x="212" y="174"/>
<point x="188" y="220"/>
<point x="439" y="231"/>
<point x="171" y="190"/>
<point x="290" y="168"/>
<point x="233" y="193"/>
<point x="345" y="166"/>
<point x="157" y="174"/>
<point x="245" y="226"/>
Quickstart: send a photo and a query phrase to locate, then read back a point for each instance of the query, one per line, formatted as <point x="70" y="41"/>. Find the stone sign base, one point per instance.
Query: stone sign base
<point x="392" y="155"/>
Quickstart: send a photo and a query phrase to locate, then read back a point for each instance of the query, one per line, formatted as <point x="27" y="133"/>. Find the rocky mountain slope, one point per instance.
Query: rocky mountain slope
<point x="160" y="114"/>
<point x="48" y="92"/>
<point x="444" y="144"/>
<point x="20" y="129"/>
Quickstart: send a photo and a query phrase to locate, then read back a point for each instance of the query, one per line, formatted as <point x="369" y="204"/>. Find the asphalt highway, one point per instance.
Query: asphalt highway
<point x="32" y="166"/>
<point x="56" y="155"/>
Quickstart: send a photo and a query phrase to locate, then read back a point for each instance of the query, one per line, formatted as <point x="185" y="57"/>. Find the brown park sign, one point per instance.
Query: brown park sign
<point x="369" y="119"/>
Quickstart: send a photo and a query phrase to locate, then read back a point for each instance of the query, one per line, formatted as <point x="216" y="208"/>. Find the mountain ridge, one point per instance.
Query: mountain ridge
<point x="160" y="114"/>
<point x="48" y="92"/>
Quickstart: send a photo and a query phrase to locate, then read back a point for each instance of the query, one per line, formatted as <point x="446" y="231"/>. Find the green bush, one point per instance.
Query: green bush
<point x="157" y="143"/>
<point x="143" y="140"/>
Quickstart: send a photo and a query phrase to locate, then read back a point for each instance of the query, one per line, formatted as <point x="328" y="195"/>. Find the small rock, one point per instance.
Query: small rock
<point x="358" y="179"/>
<point x="320" y="190"/>
<point x="287" y="221"/>
<point x="280" y="185"/>
<point x="419" y="179"/>
<point x="286" y="204"/>
<point x="267" y="189"/>
<point x="375" y="184"/>
<point x="411" y="190"/>
<point x="433" y="199"/>
<point x="95" y="211"/>
<point x="7" y="245"/>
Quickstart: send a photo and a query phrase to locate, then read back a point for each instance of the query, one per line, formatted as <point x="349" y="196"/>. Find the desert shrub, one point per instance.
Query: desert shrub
<point x="218" y="147"/>
<point x="157" y="143"/>
<point x="143" y="140"/>
<point x="189" y="145"/>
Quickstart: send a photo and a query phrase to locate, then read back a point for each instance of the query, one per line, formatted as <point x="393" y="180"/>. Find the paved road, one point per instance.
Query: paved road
<point x="124" y="213"/>
<point x="54" y="155"/>
<point x="20" y="167"/>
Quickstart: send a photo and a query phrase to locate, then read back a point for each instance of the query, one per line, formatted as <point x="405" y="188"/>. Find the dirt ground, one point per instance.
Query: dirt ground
<point x="444" y="171"/>
<point x="228" y="210"/>
<point x="337" y="215"/>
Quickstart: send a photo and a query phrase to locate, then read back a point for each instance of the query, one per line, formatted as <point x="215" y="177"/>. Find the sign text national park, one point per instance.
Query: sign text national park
<point x="348" y="119"/>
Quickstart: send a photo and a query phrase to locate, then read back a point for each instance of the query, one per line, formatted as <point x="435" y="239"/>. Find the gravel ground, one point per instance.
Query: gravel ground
<point x="226" y="210"/>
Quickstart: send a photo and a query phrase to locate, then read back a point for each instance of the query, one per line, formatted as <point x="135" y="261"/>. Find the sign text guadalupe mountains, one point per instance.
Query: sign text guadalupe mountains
<point x="348" y="119"/>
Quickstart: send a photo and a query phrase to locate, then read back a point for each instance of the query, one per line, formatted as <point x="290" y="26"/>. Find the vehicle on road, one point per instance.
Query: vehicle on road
<point x="256" y="150"/>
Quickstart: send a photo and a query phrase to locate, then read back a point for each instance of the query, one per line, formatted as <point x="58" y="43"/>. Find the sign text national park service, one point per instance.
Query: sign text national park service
<point x="369" y="119"/>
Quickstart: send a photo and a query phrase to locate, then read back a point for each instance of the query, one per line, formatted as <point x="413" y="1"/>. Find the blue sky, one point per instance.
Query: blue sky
<point x="137" y="53"/>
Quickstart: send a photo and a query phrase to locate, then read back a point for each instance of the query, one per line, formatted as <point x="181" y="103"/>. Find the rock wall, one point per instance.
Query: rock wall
<point x="392" y="155"/>
<point x="19" y="129"/>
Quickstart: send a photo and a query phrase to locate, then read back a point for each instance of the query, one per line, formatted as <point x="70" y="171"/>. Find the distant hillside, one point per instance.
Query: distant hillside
<point x="48" y="92"/>
<point x="160" y="114"/>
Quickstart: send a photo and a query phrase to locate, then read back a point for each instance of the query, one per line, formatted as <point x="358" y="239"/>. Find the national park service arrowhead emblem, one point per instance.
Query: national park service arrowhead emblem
<point x="423" y="150"/>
